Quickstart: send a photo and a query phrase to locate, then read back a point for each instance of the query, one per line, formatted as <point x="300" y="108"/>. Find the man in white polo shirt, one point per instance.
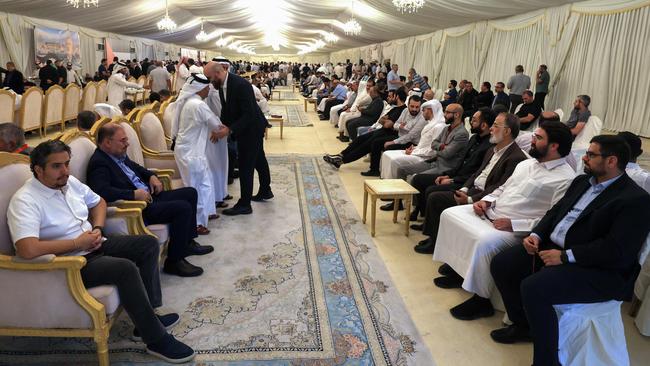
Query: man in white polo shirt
<point x="54" y="213"/>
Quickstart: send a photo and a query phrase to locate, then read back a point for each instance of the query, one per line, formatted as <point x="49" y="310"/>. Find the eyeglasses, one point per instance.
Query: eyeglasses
<point x="591" y="155"/>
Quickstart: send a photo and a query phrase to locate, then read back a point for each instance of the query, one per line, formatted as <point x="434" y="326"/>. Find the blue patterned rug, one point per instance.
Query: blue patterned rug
<point x="294" y="115"/>
<point x="299" y="282"/>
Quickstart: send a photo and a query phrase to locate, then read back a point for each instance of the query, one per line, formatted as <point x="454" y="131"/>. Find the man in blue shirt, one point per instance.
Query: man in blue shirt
<point x="336" y="97"/>
<point x="584" y="250"/>
<point x="393" y="79"/>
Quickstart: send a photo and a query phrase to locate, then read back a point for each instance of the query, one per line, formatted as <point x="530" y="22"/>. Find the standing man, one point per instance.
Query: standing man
<point x="117" y="84"/>
<point x="517" y="84"/>
<point x="246" y="123"/>
<point x="394" y="81"/>
<point x="71" y="76"/>
<point x="14" y="79"/>
<point x="159" y="78"/>
<point x="541" y="85"/>
<point x="48" y="75"/>
<point x="102" y="70"/>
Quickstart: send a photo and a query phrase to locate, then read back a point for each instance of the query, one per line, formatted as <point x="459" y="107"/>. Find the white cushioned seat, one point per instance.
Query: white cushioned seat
<point x="108" y="296"/>
<point x="161" y="231"/>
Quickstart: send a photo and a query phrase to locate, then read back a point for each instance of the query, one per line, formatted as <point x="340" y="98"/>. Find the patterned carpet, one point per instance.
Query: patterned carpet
<point x="299" y="282"/>
<point x="294" y="115"/>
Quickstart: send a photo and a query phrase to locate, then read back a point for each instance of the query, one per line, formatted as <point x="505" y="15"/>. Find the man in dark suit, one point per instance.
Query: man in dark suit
<point x="500" y="97"/>
<point x="497" y="167"/>
<point x="246" y="124"/>
<point x="48" y="75"/>
<point x="113" y="176"/>
<point x="14" y="79"/>
<point x="369" y="115"/>
<point x="584" y="250"/>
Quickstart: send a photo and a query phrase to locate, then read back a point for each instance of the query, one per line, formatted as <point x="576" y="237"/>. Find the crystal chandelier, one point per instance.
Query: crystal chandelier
<point x="330" y="37"/>
<point x="408" y="6"/>
<point x="202" y="36"/>
<point x="86" y="3"/>
<point x="166" y="23"/>
<point x="352" y="27"/>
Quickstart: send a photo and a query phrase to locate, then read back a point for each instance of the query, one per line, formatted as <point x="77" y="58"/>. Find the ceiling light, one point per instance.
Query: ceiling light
<point x="86" y="3"/>
<point x="166" y="23"/>
<point x="408" y="6"/>
<point x="330" y="37"/>
<point x="202" y="36"/>
<point x="352" y="27"/>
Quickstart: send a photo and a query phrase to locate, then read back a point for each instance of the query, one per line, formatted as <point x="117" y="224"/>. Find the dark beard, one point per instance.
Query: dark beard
<point x="475" y="130"/>
<point x="535" y="153"/>
<point x="449" y="121"/>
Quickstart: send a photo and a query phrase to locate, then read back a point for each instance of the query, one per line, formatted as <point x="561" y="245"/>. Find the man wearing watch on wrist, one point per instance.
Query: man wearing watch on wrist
<point x="584" y="250"/>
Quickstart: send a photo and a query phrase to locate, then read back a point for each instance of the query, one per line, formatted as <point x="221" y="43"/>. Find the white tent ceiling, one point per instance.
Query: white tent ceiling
<point x="298" y="22"/>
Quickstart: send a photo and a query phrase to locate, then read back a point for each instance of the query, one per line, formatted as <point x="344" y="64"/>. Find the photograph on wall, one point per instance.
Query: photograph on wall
<point x="189" y="53"/>
<point x="57" y="45"/>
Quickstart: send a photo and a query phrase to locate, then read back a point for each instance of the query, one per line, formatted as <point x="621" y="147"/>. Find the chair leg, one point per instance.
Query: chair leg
<point x="101" y="339"/>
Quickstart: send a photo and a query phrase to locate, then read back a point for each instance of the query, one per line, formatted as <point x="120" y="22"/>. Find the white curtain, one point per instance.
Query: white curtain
<point x="600" y="48"/>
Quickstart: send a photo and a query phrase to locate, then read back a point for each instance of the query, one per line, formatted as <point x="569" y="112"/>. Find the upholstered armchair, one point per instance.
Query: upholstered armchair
<point x="31" y="107"/>
<point x="53" y="108"/>
<point x="166" y="116"/>
<point x="641" y="304"/>
<point x="7" y="106"/>
<point x="89" y="96"/>
<point x="102" y="94"/>
<point x="45" y="296"/>
<point x="151" y="132"/>
<point x="71" y="103"/>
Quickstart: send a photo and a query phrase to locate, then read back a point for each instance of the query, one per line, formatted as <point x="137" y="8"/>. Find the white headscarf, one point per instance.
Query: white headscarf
<point x="434" y="104"/>
<point x="118" y="66"/>
<point x="193" y="85"/>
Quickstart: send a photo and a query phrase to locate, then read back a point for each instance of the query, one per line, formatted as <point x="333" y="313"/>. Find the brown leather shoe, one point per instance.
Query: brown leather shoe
<point x="202" y="230"/>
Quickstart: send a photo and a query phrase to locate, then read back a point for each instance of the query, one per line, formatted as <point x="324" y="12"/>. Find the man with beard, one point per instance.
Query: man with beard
<point x="578" y="118"/>
<point x="584" y="250"/>
<point x="470" y="236"/>
<point x="498" y="165"/>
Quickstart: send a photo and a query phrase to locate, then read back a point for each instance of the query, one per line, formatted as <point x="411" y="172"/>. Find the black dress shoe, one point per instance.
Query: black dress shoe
<point x="261" y="196"/>
<point x="414" y="215"/>
<point x="344" y="138"/>
<point x="238" y="210"/>
<point x="371" y="173"/>
<point x="475" y="307"/>
<point x="511" y="334"/>
<point x="228" y="197"/>
<point x="425" y="246"/>
<point x="220" y="204"/>
<point x="334" y="161"/>
<point x="452" y="281"/>
<point x="182" y="268"/>
<point x="446" y="270"/>
<point x="391" y="206"/>
<point x="194" y="248"/>
<point x="418" y="227"/>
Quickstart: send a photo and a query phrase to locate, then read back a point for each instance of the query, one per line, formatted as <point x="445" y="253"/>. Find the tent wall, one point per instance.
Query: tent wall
<point x="599" y="48"/>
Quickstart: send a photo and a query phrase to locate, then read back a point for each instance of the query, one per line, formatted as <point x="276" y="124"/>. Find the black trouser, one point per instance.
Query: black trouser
<point x="438" y="200"/>
<point x="355" y="123"/>
<point x="425" y="184"/>
<point x="378" y="148"/>
<point x="529" y="292"/>
<point x="178" y="209"/>
<point x="328" y="106"/>
<point x="515" y="100"/>
<point x="539" y="98"/>
<point x="362" y="145"/>
<point x="131" y="264"/>
<point x="250" y="150"/>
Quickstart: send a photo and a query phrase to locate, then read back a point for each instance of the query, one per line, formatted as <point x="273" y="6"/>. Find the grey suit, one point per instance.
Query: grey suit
<point x="447" y="154"/>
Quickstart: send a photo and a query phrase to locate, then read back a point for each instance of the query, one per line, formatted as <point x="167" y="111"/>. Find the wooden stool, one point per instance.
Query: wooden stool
<point x="297" y="87"/>
<point x="275" y="119"/>
<point x="310" y="100"/>
<point x="396" y="189"/>
<point x="279" y="94"/>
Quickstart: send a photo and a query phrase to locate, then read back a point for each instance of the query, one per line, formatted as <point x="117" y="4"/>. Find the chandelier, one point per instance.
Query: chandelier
<point x="408" y="6"/>
<point x="86" y="3"/>
<point x="202" y="36"/>
<point x="330" y="37"/>
<point x="166" y="23"/>
<point x="352" y="27"/>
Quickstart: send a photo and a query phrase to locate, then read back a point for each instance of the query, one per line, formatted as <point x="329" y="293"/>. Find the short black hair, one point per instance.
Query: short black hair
<point x="164" y="93"/>
<point x="453" y="83"/>
<point x="529" y="93"/>
<point x="613" y="145"/>
<point x="127" y="104"/>
<point x="512" y="122"/>
<point x="558" y="133"/>
<point x="487" y="116"/>
<point x="102" y="61"/>
<point x="154" y="97"/>
<point x="86" y="120"/>
<point x="116" y="58"/>
<point x="38" y="156"/>
<point x="414" y="98"/>
<point x="401" y="94"/>
<point x="487" y="84"/>
<point x="634" y="142"/>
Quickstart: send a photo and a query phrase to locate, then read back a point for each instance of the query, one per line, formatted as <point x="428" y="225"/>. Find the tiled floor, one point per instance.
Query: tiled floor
<point x="452" y="342"/>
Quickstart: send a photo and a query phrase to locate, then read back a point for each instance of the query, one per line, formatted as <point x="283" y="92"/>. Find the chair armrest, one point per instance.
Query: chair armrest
<point x="45" y="258"/>
<point x="162" y="162"/>
<point x="125" y="221"/>
<point x="128" y="204"/>
<point x="43" y="263"/>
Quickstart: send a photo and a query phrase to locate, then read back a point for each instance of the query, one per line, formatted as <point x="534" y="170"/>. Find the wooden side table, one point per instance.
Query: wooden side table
<point x="279" y="94"/>
<point x="275" y="119"/>
<point x="310" y="100"/>
<point x="297" y="87"/>
<point x="395" y="189"/>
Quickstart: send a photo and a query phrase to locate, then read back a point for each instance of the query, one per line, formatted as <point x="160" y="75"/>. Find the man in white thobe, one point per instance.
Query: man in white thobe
<point x="117" y="85"/>
<point x="391" y="160"/>
<point x="362" y="101"/>
<point x="182" y="73"/>
<point x="471" y="235"/>
<point x="346" y="105"/>
<point x="193" y="126"/>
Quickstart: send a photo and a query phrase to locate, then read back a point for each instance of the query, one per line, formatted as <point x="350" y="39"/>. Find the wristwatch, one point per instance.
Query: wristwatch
<point x="564" y="258"/>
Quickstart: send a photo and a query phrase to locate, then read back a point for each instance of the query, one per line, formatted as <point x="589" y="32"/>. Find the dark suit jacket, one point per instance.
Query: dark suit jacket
<point x="503" y="99"/>
<point x="14" y="81"/>
<point x="240" y="112"/>
<point x="373" y="111"/>
<point x="106" y="178"/>
<point x="468" y="100"/>
<point x="501" y="171"/>
<point x="473" y="158"/>
<point x="611" y="230"/>
<point x="484" y="99"/>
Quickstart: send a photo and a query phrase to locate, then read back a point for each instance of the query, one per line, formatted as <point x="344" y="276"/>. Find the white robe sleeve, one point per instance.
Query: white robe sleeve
<point x="122" y="82"/>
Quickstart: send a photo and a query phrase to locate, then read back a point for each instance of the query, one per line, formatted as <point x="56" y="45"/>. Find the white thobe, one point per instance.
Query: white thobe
<point x="107" y="110"/>
<point x="638" y="175"/>
<point x="261" y="101"/>
<point x="192" y="139"/>
<point x="217" y="153"/>
<point x="468" y="242"/>
<point x="181" y="77"/>
<point x="363" y="101"/>
<point x="196" y="69"/>
<point x="392" y="160"/>
<point x="116" y="88"/>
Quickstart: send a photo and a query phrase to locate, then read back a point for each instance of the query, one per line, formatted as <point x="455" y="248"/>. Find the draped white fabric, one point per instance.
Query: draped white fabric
<point x="597" y="47"/>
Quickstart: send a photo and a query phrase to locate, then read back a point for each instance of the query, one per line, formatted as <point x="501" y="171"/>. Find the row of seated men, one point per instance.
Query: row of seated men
<point x="520" y="222"/>
<point x="55" y="213"/>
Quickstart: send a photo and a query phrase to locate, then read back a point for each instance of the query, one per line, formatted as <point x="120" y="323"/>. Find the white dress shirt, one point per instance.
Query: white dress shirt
<point x="479" y="182"/>
<point x="409" y="127"/>
<point x="532" y="189"/>
<point x="41" y="212"/>
<point x="429" y="133"/>
<point x="638" y="175"/>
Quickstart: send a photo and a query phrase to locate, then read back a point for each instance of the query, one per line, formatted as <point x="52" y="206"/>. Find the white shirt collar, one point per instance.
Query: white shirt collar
<point x="46" y="191"/>
<point x="552" y="164"/>
<point x="224" y="85"/>
<point x="632" y="166"/>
